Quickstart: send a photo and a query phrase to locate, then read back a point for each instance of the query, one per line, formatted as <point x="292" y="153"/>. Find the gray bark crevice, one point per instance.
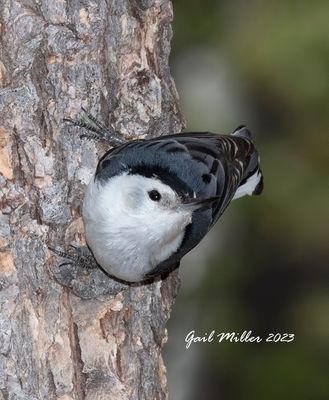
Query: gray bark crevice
<point x="110" y="57"/>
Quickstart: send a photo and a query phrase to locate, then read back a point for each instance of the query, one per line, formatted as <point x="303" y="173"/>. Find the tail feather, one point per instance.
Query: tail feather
<point x="252" y="183"/>
<point x="242" y="131"/>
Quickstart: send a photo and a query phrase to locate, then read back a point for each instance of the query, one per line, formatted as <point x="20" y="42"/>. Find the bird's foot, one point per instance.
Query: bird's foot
<point x="82" y="274"/>
<point x="96" y="130"/>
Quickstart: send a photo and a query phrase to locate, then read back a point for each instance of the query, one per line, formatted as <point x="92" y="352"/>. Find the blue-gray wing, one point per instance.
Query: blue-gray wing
<point x="228" y="161"/>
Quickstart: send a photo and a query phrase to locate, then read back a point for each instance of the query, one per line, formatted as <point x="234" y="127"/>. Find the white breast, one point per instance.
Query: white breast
<point x="127" y="236"/>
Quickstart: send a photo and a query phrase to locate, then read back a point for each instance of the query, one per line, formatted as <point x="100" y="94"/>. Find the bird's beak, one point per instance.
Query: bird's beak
<point x="193" y="204"/>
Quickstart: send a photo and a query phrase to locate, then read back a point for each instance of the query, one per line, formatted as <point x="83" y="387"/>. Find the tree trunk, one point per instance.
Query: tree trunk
<point x="76" y="340"/>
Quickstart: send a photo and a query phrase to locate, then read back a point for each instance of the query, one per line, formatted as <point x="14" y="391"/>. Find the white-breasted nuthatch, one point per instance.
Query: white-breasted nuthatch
<point x="151" y="201"/>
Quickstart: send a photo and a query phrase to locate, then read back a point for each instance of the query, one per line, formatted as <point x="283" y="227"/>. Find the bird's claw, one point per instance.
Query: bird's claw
<point x="79" y="257"/>
<point x="84" y="277"/>
<point x="95" y="129"/>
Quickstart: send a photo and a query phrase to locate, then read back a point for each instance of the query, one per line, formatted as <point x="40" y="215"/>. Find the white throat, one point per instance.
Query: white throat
<point x="127" y="232"/>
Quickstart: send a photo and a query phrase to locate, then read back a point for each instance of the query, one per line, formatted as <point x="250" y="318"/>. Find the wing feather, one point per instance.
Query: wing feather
<point x="194" y="164"/>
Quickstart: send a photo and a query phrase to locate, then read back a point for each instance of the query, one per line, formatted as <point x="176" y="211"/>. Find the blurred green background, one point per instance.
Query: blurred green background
<point x="264" y="267"/>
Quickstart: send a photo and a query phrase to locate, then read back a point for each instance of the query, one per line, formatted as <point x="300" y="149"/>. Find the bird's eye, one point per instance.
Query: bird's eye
<point x="154" y="195"/>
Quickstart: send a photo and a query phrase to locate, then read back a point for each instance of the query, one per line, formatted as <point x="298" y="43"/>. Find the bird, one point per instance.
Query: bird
<point x="151" y="201"/>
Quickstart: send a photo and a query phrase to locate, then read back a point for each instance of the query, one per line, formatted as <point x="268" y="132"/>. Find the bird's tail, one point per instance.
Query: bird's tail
<point x="252" y="182"/>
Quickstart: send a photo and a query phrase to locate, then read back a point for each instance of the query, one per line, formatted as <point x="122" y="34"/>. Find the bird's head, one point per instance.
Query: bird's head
<point x="150" y="200"/>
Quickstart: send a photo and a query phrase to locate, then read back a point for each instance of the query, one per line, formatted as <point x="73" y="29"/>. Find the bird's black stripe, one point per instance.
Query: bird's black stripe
<point x="165" y="176"/>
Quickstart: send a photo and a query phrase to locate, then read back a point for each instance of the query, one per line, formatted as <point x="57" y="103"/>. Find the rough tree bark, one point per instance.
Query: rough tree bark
<point x="56" y="56"/>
